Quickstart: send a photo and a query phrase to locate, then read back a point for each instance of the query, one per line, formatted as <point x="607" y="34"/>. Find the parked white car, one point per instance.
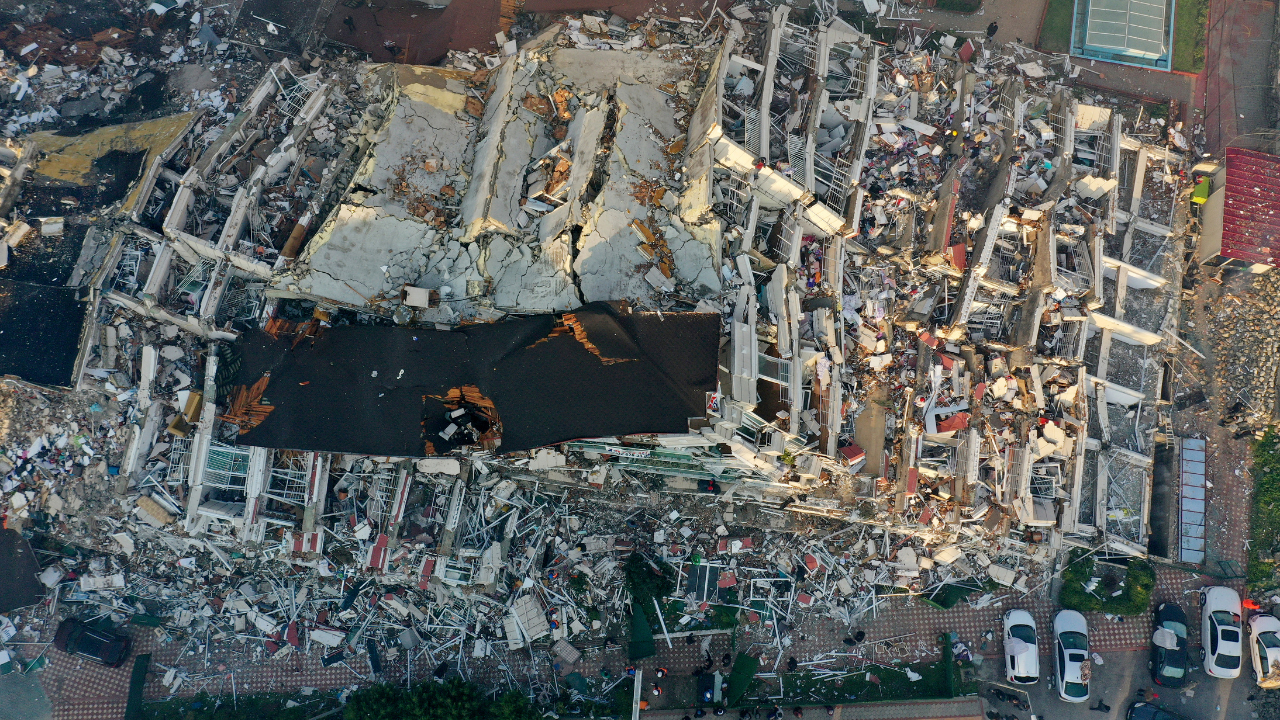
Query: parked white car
<point x="1071" y="656"/>
<point x="1220" y="632"/>
<point x="1264" y="649"/>
<point x="1021" y="653"/>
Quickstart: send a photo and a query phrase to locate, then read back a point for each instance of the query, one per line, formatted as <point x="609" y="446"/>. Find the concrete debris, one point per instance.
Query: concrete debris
<point x="945" y="286"/>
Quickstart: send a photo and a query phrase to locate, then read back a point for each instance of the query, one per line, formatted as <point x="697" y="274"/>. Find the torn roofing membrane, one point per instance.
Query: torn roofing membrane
<point x="383" y="390"/>
<point x="42" y="332"/>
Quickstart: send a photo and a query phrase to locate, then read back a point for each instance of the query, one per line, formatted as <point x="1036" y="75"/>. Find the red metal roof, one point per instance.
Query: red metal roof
<point x="1251" y="213"/>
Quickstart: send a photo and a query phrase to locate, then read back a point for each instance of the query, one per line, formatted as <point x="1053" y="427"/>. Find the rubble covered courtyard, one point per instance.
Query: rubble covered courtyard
<point x="750" y="347"/>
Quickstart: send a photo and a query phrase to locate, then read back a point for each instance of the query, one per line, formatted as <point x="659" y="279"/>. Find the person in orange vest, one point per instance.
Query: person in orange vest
<point x="1250" y="604"/>
<point x="644" y="704"/>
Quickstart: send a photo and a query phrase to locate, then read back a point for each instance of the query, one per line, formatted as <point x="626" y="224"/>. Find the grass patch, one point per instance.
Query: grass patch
<point x="1264" y="525"/>
<point x="1189" y="28"/>
<point x="960" y="6"/>
<point x="641" y="645"/>
<point x="1134" y="598"/>
<point x="1055" y="31"/>
<point x="962" y="675"/>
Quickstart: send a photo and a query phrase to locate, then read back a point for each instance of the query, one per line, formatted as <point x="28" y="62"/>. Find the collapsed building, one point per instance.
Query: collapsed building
<point x="416" y="322"/>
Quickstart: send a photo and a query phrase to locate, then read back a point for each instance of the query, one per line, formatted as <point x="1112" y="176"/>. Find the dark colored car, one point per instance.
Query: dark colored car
<point x="79" y="638"/>
<point x="1146" y="711"/>
<point x="1168" y="664"/>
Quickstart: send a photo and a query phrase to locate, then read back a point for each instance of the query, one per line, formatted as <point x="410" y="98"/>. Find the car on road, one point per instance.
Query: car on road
<point x="1169" y="646"/>
<point x="1264" y="650"/>
<point x="101" y="646"/>
<point x="1220" y="644"/>
<point x="1147" y="711"/>
<point x="1071" y="656"/>
<point x="1021" y="654"/>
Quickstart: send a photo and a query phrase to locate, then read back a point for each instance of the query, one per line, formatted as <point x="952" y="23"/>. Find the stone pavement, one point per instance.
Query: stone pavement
<point x="79" y="689"/>
<point x="1017" y="19"/>
<point x="24" y="698"/>
<point x="1141" y="83"/>
<point x="1228" y="460"/>
<point x="1235" y="82"/>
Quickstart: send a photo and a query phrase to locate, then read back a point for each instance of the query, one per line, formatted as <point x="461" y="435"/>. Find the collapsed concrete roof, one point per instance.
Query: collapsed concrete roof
<point x="385" y="391"/>
<point x="525" y="187"/>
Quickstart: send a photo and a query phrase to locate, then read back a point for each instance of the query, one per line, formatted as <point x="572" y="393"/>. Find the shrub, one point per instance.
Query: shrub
<point x="1264" y="526"/>
<point x="1140" y="580"/>
<point x="455" y="699"/>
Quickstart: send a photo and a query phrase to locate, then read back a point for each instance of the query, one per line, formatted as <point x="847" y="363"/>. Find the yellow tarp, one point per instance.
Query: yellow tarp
<point x="70" y="159"/>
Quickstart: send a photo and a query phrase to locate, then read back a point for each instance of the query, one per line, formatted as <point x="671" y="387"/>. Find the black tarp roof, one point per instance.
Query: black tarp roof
<point x="368" y="390"/>
<point x="40" y="332"/>
<point x="19" y="567"/>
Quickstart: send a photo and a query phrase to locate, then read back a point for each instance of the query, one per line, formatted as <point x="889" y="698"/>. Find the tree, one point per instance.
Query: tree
<point x="1134" y="599"/>
<point x="379" y="702"/>
<point x="647" y="584"/>
<point x="454" y="699"/>
<point x="513" y="706"/>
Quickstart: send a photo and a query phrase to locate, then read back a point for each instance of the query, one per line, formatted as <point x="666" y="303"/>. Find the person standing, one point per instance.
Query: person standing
<point x="992" y="29"/>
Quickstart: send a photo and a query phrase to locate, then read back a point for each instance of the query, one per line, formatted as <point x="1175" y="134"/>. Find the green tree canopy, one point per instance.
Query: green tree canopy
<point x="454" y="699"/>
<point x="646" y="583"/>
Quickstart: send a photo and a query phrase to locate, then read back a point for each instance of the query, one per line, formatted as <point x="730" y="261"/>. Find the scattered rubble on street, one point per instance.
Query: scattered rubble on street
<point x="831" y="320"/>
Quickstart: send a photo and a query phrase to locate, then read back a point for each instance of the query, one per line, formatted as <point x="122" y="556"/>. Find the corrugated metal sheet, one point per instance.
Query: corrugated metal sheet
<point x="1251" y="215"/>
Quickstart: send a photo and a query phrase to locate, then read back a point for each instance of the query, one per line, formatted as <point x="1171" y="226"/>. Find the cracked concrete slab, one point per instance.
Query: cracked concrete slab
<point x="426" y="144"/>
<point x="350" y="258"/>
<point x="652" y="105"/>
<point x="534" y="277"/>
<point x="594" y="71"/>
<point x="518" y="140"/>
<point x="696" y="249"/>
<point x="607" y="258"/>
<point x="641" y="151"/>
<point x="584" y="137"/>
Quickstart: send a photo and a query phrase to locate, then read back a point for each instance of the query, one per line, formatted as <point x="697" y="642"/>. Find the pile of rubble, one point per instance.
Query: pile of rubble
<point x="56" y="77"/>
<point x="942" y="283"/>
<point x="1246" y="353"/>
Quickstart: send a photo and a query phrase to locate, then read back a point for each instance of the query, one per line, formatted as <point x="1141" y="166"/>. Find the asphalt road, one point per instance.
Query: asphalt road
<point x="1117" y="682"/>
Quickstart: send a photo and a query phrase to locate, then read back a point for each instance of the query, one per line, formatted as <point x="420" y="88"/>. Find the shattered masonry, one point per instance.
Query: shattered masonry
<point x="764" y="299"/>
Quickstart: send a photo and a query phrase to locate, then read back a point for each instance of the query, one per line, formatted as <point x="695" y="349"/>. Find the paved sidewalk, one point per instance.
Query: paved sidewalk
<point x="1228" y="460"/>
<point x="1017" y="19"/>
<point x="1235" y="81"/>
<point x="1141" y="83"/>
